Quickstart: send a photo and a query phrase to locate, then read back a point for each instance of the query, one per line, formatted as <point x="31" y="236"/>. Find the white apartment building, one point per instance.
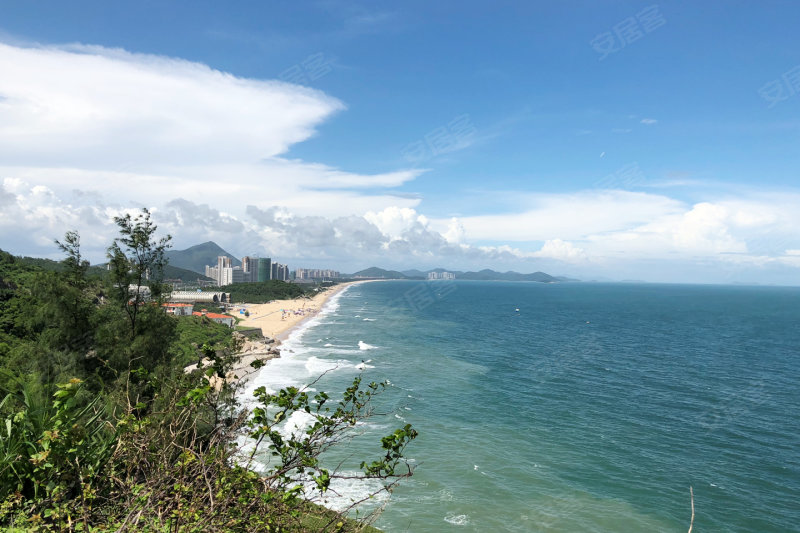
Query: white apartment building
<point x="441" y="275"/>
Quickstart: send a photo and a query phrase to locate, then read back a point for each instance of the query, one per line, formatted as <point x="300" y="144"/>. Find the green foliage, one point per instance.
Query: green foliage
<point x="14" y="299"/>
<point x="187" y="276"/>
<point x="50" y="451"/>
<point x="298" y="454"/>
<point x="45" y="316"/>
<point x="193" y="332"/>
<point x="264" y="291"/>
<point x="136" y="260"/>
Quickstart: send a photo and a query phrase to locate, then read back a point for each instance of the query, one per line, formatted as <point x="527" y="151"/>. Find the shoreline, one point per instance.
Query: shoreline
<point x="277" y="320"/>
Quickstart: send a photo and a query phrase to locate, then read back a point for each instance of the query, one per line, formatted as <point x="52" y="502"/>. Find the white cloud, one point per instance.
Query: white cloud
<point x="571" y="216"/>
<point x="394" y="221"/>
<point x="89" y="133"/>
<point x="83" y="103"/>
<point x="147" y="129"/>
<point x="455" y="231"/>
<point x="649" y="121"/>
<point x="561" y="250"/>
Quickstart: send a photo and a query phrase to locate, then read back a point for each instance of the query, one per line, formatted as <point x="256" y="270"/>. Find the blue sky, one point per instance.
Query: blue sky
<point x="603" y="140"/>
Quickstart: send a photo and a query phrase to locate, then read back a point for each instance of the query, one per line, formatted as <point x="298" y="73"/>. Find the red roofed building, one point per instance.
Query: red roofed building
<point x="228" y="320"/>
<point x="178" y="309"/>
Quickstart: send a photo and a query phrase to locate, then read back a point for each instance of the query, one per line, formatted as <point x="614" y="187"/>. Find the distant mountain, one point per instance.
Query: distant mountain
<point x="491" y="275"/>
<point x="173" y="272"/>
<point x="483" y="275"/>
<point x="375" y="272"/>
<point x="564" y="278"/>
<point x="196" y="258"/>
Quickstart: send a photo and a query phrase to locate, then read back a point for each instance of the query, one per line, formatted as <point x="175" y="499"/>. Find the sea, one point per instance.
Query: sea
<point x="566" y="407"/>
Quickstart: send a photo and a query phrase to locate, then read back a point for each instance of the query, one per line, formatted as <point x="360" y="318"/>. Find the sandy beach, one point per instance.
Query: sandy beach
<point x="277" y="318"/>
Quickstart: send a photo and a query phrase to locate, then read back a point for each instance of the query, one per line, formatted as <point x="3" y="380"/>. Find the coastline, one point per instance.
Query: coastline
<point x="277" y="320"/>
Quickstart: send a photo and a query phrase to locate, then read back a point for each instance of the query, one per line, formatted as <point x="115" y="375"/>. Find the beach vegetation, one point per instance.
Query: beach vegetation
<point x="266" y="291"/>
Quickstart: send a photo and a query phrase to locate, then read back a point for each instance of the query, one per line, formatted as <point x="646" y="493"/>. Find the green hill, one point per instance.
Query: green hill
<point x="375" y="272"/>
<point x="195" y="258"/>
<point x="487" y="274"/>
<point x="39" y="263"/>
<point x="173" y="272"/>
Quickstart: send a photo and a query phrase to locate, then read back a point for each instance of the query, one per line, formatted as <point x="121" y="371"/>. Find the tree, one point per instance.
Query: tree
<point x="134" y="335"/>
<point x="76" y="266"/>
<point x="57" y="307"/>
<point x="67" y="299"/>
<point x="136" y="261"/>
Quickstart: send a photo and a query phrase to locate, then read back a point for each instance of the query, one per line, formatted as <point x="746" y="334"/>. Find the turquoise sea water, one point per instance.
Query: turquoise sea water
<point x="593" y="408"/>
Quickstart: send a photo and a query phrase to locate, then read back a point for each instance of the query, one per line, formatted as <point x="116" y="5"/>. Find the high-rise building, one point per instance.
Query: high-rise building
<point x="280" y="271"/>
<point x="253" y="269"/>
<point x="238" y="275"/>
<point x="222" y="273"/>
<point x="315" y="273"/>
<point x="250" y="268"/>
<point x="264" y="269"/>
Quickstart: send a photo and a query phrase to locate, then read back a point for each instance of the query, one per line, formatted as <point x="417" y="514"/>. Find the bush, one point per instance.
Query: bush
<point x="51" y="452"/>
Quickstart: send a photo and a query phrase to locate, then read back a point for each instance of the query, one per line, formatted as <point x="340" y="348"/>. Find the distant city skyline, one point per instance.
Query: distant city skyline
<point x="596" y="140"/>
<point x="253" y="269"/>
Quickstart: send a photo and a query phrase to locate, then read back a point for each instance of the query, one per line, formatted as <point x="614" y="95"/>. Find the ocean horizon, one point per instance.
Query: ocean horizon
<point x="568" y="407"/>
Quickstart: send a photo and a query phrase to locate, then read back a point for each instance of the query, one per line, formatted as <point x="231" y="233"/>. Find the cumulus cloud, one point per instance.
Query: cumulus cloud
<point x="183" y="213"/>
<point x="561" y="250"/>
<point x="315" y="236"/>
<point x="33" y="216"/>
<point x="455" y="231"/>
<point x="395" y="221"/>
<point x="705" y="228"/>
<point x="395" y="235"/>
<point x="144" y="129"/>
